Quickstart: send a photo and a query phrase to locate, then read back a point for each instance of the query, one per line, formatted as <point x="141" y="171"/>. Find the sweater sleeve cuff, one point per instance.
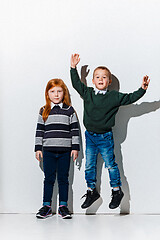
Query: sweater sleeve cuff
<point x="38" y="148"/>
<point x="73" y="69"/>
<point x="76" y="147"/>
<point x="142" y="90"/>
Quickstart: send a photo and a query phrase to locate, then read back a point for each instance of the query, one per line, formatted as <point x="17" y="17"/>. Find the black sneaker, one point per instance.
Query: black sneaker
<point x="64" y="212"/>
<point x="44" y="212"/>
<point x="116" y="198"/>
<point x="91" y="197"/>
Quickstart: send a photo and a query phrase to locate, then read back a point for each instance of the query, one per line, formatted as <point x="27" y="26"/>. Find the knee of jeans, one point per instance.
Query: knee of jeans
<point x="63" y="181"/>
<point x="111" y="166"/>
<point x="50" y="180"/>
<point x="89" y="166"/>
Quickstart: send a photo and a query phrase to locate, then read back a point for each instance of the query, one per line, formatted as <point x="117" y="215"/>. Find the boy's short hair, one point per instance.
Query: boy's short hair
<point x="103" y="68"/>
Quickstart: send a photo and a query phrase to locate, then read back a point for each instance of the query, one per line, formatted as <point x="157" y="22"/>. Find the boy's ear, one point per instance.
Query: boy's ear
<point x="110" y="81"/>
<point x="93" y="81"/>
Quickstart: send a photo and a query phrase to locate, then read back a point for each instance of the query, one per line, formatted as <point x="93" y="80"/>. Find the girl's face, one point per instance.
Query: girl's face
<point x="56" y="95"/>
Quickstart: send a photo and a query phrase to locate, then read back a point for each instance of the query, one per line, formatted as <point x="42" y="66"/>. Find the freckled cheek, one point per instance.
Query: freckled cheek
<point x="52" y="95"/>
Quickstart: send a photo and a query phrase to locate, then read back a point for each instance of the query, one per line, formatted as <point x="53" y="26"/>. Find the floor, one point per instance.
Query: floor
<point x="90" y="227"/>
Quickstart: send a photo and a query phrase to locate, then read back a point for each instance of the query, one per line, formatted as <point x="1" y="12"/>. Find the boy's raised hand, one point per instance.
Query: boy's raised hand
<point x="145" y="82"/>
<point x="74" y="60"/>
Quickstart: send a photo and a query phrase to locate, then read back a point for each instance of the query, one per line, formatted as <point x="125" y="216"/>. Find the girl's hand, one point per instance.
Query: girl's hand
<point x="74" y="60"/>
<point x="39" y="155"/>
<point x="145" y="82"/>
<point x="74" y="153"/>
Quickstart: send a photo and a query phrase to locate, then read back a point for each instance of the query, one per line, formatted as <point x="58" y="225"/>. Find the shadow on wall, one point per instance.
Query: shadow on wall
<point x="2" y="200"/>
<point x="120" y="133"/>
<point x="78" y="163"/>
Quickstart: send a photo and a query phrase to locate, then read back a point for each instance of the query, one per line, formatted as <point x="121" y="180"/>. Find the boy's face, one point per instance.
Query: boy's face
<point x="101" y="79"/>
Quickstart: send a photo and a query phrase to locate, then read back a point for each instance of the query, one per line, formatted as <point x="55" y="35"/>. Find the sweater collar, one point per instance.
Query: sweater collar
<point x="59" y="104"/>
<point x="100" y="91"/>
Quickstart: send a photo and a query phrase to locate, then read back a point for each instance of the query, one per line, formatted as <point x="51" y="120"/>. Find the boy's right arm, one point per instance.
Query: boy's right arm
<point x="80" y="87"/>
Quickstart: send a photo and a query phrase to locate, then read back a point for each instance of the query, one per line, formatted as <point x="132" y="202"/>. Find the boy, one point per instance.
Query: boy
<point x="100" y="108"/>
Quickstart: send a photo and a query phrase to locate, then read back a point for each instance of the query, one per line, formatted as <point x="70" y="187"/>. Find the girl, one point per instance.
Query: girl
<point x="57" y="139"/>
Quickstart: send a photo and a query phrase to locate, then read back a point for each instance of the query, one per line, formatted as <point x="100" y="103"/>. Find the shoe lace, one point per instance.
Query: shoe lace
<point x="44" y="208"/>
<point x="114" y="195"/>
<point x="65" y="210"/>
<point x="85" y="195"/>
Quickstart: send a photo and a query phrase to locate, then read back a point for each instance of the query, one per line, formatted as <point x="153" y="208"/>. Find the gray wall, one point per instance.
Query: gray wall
<point x="37" y="40"/>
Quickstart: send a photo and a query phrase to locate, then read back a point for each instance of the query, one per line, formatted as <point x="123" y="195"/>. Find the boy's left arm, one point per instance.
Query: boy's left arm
<point x="128" y="98"/>
<point x="145" y="82"/>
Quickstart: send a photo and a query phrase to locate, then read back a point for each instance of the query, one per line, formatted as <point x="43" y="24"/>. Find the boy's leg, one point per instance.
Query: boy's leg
<point x="90" y="170"/>
<point x="91" y="161"/>
<point x="62" y="176"/>
<point x="106" y="148"/>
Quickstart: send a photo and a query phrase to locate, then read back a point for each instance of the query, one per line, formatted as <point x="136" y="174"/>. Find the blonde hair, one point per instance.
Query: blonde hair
<point x="103" y="68"/>
<point x="66" y="97"/>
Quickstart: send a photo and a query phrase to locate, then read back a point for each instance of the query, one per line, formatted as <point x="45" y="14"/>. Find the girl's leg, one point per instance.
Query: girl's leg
<point x="49" y="167"/>
<point x="63" y="165"/>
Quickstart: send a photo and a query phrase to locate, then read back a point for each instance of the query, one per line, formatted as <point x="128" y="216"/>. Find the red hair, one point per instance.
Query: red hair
<point x="66" y="97"/>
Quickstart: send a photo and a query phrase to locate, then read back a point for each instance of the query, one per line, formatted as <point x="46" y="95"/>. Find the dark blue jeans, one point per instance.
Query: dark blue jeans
<point x="56" y="163"/>
<point x="103" y="144"/>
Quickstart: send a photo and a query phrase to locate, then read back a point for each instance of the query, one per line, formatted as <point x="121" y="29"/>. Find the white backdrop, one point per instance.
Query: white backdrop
<point x="37" y="39"/>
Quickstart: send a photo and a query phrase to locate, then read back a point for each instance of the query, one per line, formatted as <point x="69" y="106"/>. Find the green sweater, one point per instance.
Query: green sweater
<point x="100" y="110"/>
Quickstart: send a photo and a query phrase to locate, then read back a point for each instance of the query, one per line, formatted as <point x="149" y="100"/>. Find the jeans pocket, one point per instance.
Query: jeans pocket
<point x="108" y="136"/>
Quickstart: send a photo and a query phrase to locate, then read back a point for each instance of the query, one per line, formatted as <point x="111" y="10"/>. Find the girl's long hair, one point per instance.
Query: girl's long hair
<point x="66" y="97"/>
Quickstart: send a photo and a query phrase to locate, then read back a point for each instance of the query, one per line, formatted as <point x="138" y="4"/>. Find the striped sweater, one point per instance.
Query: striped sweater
<point x="59" y="132"/>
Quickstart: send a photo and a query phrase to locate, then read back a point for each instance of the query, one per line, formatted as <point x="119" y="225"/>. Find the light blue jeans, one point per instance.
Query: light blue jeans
<point x="103" y="144"/>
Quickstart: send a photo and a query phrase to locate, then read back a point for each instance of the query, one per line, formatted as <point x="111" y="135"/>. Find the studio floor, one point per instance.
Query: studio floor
<point x="108" y="227"/>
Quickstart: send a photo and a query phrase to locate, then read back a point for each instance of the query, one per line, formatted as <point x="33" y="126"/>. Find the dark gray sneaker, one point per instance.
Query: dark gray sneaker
<point x="91" y="197"/>
<point x="64" y="212"/>
<point x="44" y="212"/>
<point x="116" y="198"/>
